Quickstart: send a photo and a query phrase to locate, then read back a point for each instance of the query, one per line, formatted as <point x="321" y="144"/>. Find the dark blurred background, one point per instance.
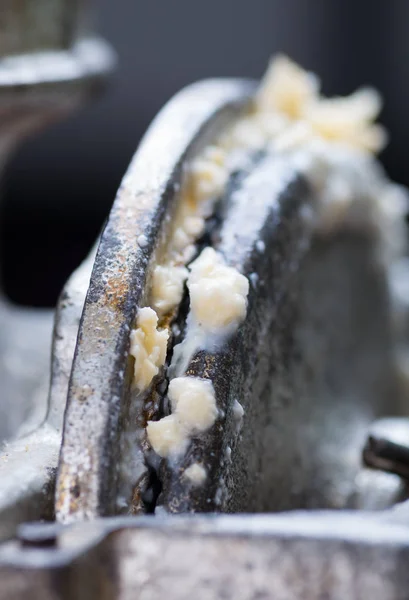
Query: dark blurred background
<point x="61" y="184"/>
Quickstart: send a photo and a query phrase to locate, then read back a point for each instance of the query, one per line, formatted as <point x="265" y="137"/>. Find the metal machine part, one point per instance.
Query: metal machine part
<point x="307" y="411"/>
<point x="286" y="365"/>
<point x="387" y="446"/>
<point x="100" y="392"/>
<point x="308" y="555"/>
<point x="49" y="65"/>
<point x="45" y="73"/>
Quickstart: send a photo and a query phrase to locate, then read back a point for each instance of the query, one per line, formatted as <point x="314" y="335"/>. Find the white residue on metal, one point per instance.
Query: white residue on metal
<point x="238" y="414"/>
<point x="195" y="474"/>
<point x="194" y="411"/>
<point x="142" y="241"/>
<point x="253" y="277"/>
<point x="351" y="189"/>
<point x="218" y="293"/>
<point x="227" y="454"/>
<point x="260" y="246"/>
<point x="398" y="279"/>
<point x="218" y="304"/>
<point x="331" y="142"/>
<point x="221" y="493"/>
<point x="148" y="347"/>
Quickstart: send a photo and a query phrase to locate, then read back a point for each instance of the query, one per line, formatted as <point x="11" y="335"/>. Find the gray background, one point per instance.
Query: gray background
<point x="61" y="184"/>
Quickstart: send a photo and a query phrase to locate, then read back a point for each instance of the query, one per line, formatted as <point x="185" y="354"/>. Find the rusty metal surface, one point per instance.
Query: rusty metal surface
<point x="312" y="301"/>
<point x="308" y="307"/>
<point x="99" y="388"/>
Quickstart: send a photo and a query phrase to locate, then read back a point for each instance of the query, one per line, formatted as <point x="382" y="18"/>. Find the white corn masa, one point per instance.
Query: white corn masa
<point x="167" y="287"/>
<point x="218" y="293"/>
<point x="194" y="409"/>
<point x="288" y="113"/>
<point x="196" y="474"/>
<point x="208" y="175"/>
<point x="148" y="347"/>
<point x="166" y="436"/>
<point x="349" y="119"/>
<point x="293" y="92"/>
<point x="193" y="401"/>
<point x="287" y="88"/>
<point x="330" y="141"/>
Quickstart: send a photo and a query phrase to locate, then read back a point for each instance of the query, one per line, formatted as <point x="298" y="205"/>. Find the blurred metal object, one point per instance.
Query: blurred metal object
<point x="302" y="556"/>
<point x="28" y="464"/>
<point x="35" y="90"/>
<point x="387" y="446"/>
<point x="49" y="66"/>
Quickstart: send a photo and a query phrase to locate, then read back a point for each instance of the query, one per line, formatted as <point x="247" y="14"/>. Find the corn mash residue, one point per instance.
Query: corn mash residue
<point x="218" y="293"/>
<point x="148" y="347"/>
<point x="194" y="411"/>
<point x="289" y="90"/>
<point x="288" y="115"/>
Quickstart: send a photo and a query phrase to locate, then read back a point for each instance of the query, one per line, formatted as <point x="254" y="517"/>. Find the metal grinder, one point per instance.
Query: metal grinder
<point x="227" y="412"/>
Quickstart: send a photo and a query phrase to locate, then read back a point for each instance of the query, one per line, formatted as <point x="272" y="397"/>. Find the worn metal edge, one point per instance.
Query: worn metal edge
<point x="86" y="485"/>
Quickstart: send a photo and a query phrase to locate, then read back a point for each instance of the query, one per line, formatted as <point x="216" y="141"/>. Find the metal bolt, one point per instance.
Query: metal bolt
<point x="387" y="446"/>
<point x="43" y="535"/>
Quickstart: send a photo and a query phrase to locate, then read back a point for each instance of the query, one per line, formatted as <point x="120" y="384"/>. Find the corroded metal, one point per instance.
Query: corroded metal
<point x="308" y="307"/>
<point x="99" y="388"/>
<point x="387" y="446"/>
<point x="314" y="300"/>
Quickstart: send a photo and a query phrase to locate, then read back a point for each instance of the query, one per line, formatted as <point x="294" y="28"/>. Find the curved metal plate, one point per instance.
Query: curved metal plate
<point x="312" y="363"/>
<point x="100" y="379"/>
